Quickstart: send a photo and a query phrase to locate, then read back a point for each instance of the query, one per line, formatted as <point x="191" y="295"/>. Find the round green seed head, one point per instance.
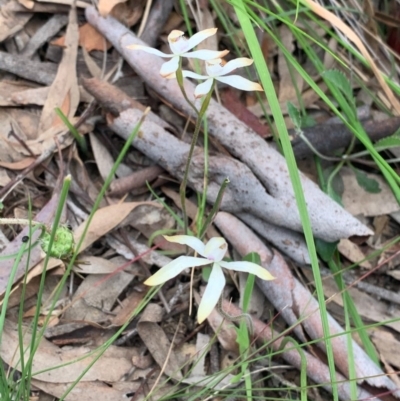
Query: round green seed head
<point x="63" y="244"/>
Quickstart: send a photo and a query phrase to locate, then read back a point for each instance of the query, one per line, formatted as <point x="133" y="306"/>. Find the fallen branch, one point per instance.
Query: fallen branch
<point x="299" y="308"/>
<point x="329" y="221"/>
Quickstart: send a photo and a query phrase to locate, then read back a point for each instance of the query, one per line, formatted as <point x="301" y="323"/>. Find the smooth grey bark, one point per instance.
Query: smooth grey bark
<point x="329" y="221"/>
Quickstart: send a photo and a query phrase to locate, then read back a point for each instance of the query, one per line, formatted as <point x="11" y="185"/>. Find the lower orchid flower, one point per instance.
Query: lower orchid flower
<point x="216" y="70"/>
<point x="212" y="253"/>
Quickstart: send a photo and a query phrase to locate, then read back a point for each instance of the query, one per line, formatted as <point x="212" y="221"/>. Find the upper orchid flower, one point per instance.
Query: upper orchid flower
<point x="180" y="47"/>
<point x="213" y="252"/>
<point x="216" y="69"/>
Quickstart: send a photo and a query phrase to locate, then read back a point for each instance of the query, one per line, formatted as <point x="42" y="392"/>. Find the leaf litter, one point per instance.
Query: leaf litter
<point x="64" y="50"/>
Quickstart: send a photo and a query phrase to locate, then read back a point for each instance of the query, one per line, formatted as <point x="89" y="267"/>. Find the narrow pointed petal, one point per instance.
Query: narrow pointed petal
<point x="216" y="249"/>
<point x="169" y="67"/>
<point x="236" y="63"/>
<point x="240" y="83"/>
<point x="191" y="74"/>
<point x="203" y="88"/>
<point x="206" y="54"/>
<point x="175" y="267"/>
<point x="248" y="267"/>
<point x="188" y="240"/>
<point x="213" y="291"/>
<point x="150" y="50"/>
<point x="199" y="37"/>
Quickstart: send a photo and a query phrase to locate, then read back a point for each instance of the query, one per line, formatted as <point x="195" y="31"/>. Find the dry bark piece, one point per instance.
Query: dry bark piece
<point x="326" y="138"/>
<point x="36" y="71"/>
<point x="116" y="101"/>
<point x="296" y="303"/>
<point x="328" y="219"/>
<point x="287" y="241"/>
<point x="44" y="34"/>
<point x="136" y="180"/>
<point x="158" y="16"/>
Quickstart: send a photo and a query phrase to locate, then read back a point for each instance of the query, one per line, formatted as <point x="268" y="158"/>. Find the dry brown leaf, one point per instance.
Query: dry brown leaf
<point x="10" y="88"/>
<point x="91" y="65"/>
<point x="4" y="178"/>
<point x="387" y="344"/>
<point x="103" y="158"/>
<point x="104" y="220"/>
<point x="92" y="391"/>
<point x="20" y="165"/>
<point x="89" y="39"/>
<point x="353" y="252"/>
<point x="11" y="21"/>
<point x="157" y="341"/>
<point x="111" y="366"/>
<point x="64" y="92"/>
<point x="106" y="6"/>
<point x="124" y="311"/>
<point x="29" y="4"/>
<point x="287" y="88"/>
<point x="95" y="297"/>
<point x="358" y="201"/>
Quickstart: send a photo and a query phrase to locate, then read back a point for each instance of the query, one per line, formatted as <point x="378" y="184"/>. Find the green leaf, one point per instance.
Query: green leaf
<point x="338" y="79"/>
<point x="334" y="185"/>
<point x="307" y="121"/>
<point x="325" y="249"/>
<point x="387" y="143"/>
<point x="294" y="115"/>
<point x="368" y="184"/>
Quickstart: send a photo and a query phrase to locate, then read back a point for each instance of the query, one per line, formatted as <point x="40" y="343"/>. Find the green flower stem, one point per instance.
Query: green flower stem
<point x="182" y="189"/>
<point x="215" y="208"/>
<point x="179" y="79"/>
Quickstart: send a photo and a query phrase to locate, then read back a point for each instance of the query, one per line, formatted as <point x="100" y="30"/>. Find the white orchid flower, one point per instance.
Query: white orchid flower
<point x="180" y="47"/>
<point x="216" y="69"/>
<point x="212" y="252"/>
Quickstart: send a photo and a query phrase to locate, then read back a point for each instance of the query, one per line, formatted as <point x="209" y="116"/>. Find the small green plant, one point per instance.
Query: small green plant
<point x="63" y="245"/>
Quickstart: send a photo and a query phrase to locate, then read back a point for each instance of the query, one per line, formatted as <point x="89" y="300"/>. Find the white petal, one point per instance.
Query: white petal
<point x="248" y="267"/>
<point x="191" y="74"/>
<point x="170" y="66"/>
<point x="212" y="293"/>
<point x="203" y="88"/>
<point x="206" y="54"/>
<point x="236" y="63"/>
<point x="199" y="37"/>
<point x="240" y="83"/>
<point x="188" y="240"/>
<point x="175" y="267"/>
<point x="150" y="50"/>
<point x="216" y="249"/>
<point x="215" y="67"/>
<point x="177" y="42"/>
